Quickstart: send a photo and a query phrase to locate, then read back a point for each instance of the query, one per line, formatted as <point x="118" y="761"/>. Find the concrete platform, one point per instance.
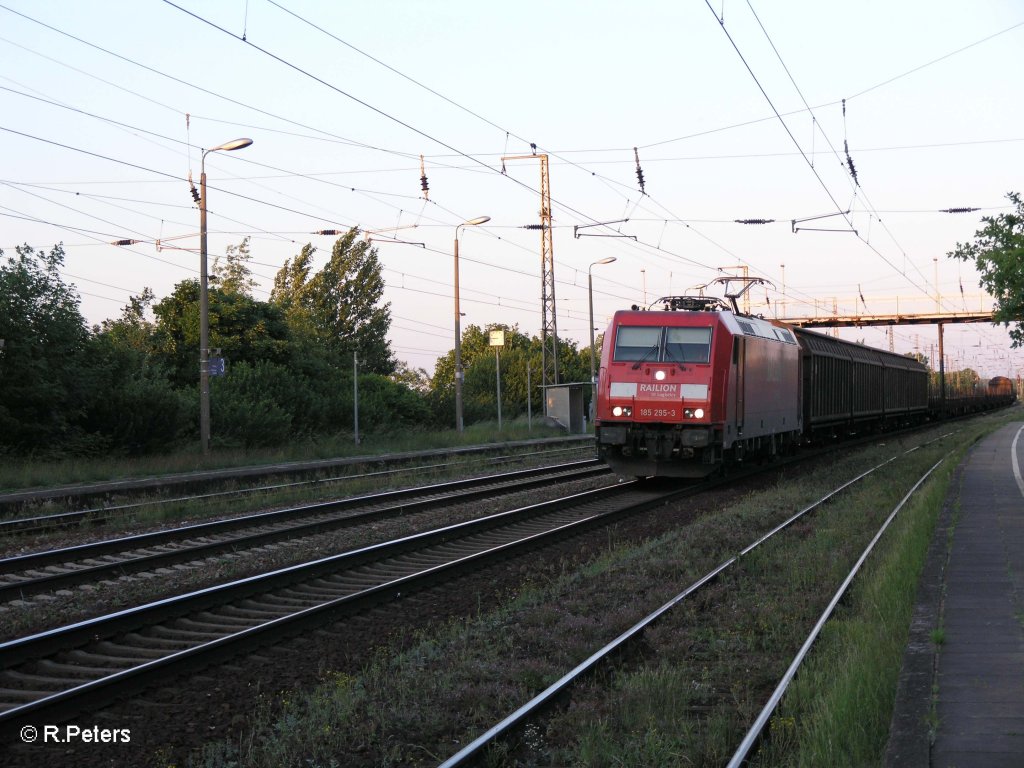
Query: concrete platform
<point x="972" y="587"/>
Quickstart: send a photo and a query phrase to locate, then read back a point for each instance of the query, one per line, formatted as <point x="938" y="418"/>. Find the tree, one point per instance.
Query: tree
<point x="963" y="383"/>
<point x="134" y="405"/>
<point x="43" y="376"/>
<point x="132" y="331"/>
<point x="416" y="379"/>
<point x="234" y="276"/>
<point x="479" y="393"/>
<point x="339" y="307"/>
<point x="998" y="255"/>
<point x="244" y="329"/>
<point x="290" y="285"/>
<point x="479" y="385"/>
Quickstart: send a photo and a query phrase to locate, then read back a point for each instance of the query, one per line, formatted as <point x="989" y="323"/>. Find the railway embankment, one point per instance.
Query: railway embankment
<point x="687" y="692"/>
<point x="413" y="685"/>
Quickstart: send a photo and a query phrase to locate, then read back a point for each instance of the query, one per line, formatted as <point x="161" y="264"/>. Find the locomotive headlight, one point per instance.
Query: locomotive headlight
<point x="659" y="375"/>
<point x="617" y="410"/>
<point x="699" y="413"/>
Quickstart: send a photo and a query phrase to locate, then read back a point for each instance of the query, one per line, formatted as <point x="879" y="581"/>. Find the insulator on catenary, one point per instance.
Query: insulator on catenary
<point x="125" y="242"/>
<point x="639" y="171"/>
<point x="327" y="232"/>
<point x="423" y="180"/>
<point x="959" y="210"/>
<point x="849" y="163"/>
<point x="853" y="171"/>
<point x="195" y="193"/>
<point x="754" y="221"/>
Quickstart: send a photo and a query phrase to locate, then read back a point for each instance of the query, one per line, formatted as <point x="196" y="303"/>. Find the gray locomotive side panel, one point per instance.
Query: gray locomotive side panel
<point x="771" y="382"/>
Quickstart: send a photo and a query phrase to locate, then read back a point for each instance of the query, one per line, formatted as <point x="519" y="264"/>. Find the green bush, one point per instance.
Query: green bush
<point x="385" y="405"/>
<point x="249" y="406"/>
<point x="143" y="415"/>
<point x="267" y="404"/>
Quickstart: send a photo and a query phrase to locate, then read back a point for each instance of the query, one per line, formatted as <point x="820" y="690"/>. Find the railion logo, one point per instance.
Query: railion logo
<point x="659" y="389"/>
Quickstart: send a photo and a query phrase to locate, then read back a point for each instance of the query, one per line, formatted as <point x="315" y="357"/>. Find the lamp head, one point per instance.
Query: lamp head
<point x="228" y="146"/>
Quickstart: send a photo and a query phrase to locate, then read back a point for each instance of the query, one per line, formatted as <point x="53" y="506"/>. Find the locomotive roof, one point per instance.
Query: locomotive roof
<point x="811" y="342"/>
<point x="738" y="325"/>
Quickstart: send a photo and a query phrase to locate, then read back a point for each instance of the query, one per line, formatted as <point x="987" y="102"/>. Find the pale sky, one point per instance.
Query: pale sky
<point x="106" y="106"/>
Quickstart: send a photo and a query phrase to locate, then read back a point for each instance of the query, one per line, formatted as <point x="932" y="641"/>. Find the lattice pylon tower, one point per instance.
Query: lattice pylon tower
<point x="549" y="319"/>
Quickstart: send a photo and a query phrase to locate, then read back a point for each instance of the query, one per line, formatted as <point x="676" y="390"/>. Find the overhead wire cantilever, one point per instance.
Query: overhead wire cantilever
<point x="796" y="229"/>
<point x="370" y="235"/>
<point x="577" y="227"/>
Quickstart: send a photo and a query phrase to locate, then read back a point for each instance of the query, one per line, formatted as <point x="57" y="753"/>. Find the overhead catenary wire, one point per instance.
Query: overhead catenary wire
<point x="834" y="102"/>
<point x="704" y="265"/>
<point x="480" y="163"/>
<point x="656" y="241"/>
<point x="368" y="192"/>
<point x="141" y="167"/>
<point x="796" y="143"/>
<point x="169" y="176"/>
<point x="180" y="81"/>
<point x="375" y="109"/>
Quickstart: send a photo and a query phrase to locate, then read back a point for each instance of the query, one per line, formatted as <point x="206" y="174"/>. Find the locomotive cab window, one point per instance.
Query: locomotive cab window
<point x="637" y="343"/>
<point x="688" y="345"/>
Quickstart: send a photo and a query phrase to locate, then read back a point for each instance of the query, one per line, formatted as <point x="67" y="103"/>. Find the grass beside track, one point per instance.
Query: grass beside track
<point x="838" y="710"/>
<point x="687" y="693"/>
<point x="22" y="473"/>
<point x="134" y="510"/>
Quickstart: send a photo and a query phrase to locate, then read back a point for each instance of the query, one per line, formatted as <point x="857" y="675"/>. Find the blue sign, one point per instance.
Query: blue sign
<point x="216" y="366"/>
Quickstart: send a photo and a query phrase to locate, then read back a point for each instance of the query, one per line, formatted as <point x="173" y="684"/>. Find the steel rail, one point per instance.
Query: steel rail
<point x="124" y="681"/>
<point x="128" y="623"/>
<point x="532" y="708"/>
<point x="754" y="734"/>
<point x="400" y="502"/>
<point x="98" y="515"/>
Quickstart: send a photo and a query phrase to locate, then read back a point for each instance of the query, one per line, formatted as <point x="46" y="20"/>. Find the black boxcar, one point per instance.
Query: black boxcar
<point x="846" y="384"/>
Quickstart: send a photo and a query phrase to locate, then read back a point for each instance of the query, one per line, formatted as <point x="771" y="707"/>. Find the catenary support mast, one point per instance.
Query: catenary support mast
<point x="549" y="320"/>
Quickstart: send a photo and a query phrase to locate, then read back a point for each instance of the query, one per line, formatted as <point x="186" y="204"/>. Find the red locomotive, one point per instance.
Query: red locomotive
<point x="685" y="390"/>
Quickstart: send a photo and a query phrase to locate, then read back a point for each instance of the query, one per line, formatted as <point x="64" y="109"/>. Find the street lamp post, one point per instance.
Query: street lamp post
<point x="590" y="296"/>
<point x="204" y="300"/>
<point x="458" y="323"/>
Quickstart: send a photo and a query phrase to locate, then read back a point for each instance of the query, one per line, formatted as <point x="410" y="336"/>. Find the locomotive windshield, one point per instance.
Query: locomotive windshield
<point x="657" y="344"/>
<point x="637" y="342"/>
<point x="688" y="345"/>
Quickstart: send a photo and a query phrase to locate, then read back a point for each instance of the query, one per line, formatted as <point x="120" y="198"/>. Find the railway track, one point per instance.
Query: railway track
<point x="531" y="711"/>
<point x="203" y="485"/>
<point x="25" y="575"/>
<point x="53" y="675"/>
